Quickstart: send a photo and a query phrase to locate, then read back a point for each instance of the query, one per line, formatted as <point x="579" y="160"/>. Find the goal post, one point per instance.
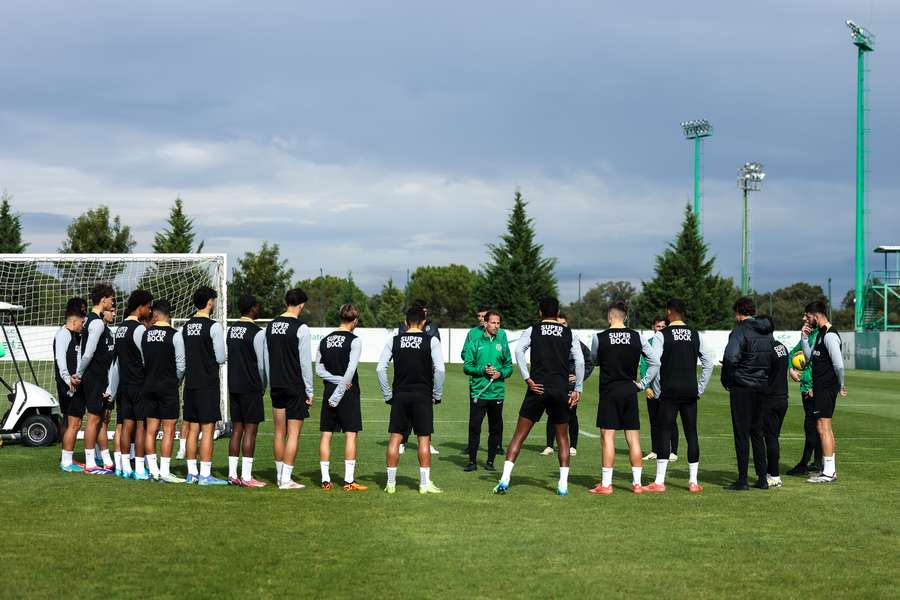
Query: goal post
<point x="42" y="283"/>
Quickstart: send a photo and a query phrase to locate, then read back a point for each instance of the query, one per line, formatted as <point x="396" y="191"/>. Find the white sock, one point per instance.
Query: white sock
<point x="247" y="468"/>
<point x="324" y="467"/>
<point x="139" y="464"/>
<point x="828" y="466"/>
<point x="507" y="471"/>
<point x="279" y="466"/>
<point x="151" y="465"/>
<point x="424" y="476"/>
<point x="392" y="475"/>
<point x="89" y="459"/>
<point x="117" y="458"/>
<point x="232" y="467"/>
<point x="692" y="472"/>
<point x="66" y="459"/>
<point x="132" y="452"/>
<point x="606" y="477"/>
<point x="107" y="459"/>
<point x="164" y="464"/>
<point x="349" y="471"/>
<point x="205" y="469"/>
<point x="564" y="478"/>
<point x="661" y="465"/>
<point x="181" y="445"/>
<point x="286" y="472"/>
<point x="192" y="466"/>
<point x="636" y="473"/>
<point x="126" y="464"/>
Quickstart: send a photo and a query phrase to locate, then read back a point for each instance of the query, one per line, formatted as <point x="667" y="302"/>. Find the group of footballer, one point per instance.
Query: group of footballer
<point x="140" y="366"/>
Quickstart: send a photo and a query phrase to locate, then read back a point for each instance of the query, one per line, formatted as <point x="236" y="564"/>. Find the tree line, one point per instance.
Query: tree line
<point x="516" y="275"/>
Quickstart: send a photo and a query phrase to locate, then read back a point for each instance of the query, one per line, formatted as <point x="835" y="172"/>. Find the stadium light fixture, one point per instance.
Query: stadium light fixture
<point x="750" y="178"/>
<point x="695" y="130"/>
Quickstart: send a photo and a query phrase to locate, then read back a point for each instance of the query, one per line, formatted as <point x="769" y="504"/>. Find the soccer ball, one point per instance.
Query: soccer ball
<point x="798" y="361"/>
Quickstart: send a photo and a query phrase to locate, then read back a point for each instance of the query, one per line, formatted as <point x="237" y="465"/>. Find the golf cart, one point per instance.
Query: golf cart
<point x="33" y="416"/>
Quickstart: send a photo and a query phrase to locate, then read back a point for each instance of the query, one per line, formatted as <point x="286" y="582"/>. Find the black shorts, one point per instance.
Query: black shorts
<point x="128" y="403"/>
<point x="247" y="407"/>
<point x="202" y="406"/>
<point x="618" y="408"/>
<point x="824" y="400"/>
<point x="70" y="406"/>
<point x="345" y="417"/>
<point x="292" y="401"/>
<point x="160" y="404"/>
<point x="411" y="413"/>
<point x="554" y="402"/>
<point x="93" y="392"/>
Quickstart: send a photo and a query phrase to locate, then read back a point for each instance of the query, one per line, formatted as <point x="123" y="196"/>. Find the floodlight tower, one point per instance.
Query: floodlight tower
<point x="749" y="180"/>
<point x="696" y="130"/>
<point x="864" y="42"/>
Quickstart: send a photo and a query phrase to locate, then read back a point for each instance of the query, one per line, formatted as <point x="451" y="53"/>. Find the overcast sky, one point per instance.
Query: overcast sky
<point x="376" y="137"/>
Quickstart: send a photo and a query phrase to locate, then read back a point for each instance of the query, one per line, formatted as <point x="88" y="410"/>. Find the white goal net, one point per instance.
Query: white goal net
<point x="43" y="283"/>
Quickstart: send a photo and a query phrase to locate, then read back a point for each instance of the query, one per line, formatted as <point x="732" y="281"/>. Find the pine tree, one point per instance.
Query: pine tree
<point x="389" y="306"/>
<point x="10" y="227"/>
<point x="350" y="294"/>
<point x="684" y="271"/>
<point x="519" y="275"/>
<point x="178" y="237"/>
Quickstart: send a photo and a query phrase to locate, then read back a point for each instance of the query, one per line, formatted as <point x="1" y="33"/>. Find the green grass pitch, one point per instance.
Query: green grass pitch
<point x="101" y="536"/>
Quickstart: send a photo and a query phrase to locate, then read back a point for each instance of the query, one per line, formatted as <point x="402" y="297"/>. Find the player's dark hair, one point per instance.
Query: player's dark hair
<point x="415" y="314"/>
<point x="162" y="308"/>
<point x="620" y="306"/>
<point x="203" y="295"/>
<point x="676" y="306"/>
<point x="101" y="291"/>
<point x="818" y="307"/>
<point x="483" y="308"/>
<point x="420" y="303"/>
<point x="245" y="303"/>
<point x="295" y="297"/>
<point x="659" y="320"/>
<point x="137" y="299"/>
<point x="744" y="306"/>
<point x="549" y="307"/>
<point x="809" y="307"/>
<point x="348" y="313"/>
<point x="76" y="306"/>
<point x="492" y="313"/>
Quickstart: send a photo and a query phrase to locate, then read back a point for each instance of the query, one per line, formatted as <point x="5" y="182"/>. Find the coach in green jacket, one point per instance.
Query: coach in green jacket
<point x="488" y="363"/>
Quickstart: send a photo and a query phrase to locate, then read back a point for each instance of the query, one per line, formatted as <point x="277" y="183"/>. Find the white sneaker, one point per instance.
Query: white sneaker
<point x="774" y="482"/>
<point x="572" y="451"/>
<point x="170" y="479"/>
<point x="402" y="448"/>
<point x="673" y="457"/>
<point x="823" y="478"/>
<point x="179" y="455"/>
<point x="432" y="449"/>
<point x="547" y="451"/>
<point x="290" y="485"/>
<point x="651" y="456"/>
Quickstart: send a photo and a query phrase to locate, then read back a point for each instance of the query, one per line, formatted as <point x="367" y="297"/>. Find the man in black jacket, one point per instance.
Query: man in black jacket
<point x="745" y="374"/>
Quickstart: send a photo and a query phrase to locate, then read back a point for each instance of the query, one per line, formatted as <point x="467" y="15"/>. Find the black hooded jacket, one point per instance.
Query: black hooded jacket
<point x="748" y="355"/>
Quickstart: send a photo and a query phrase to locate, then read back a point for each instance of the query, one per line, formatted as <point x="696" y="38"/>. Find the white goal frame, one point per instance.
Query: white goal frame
<point x="221" y="287"/>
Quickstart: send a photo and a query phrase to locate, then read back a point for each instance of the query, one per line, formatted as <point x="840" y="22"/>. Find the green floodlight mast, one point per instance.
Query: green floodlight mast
<point x="696" y="130"/>
<point x="750" y="179"/>
<point x="865" y="42"/>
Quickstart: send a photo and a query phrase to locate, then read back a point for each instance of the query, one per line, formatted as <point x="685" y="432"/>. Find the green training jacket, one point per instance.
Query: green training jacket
<point x="479" y="351"/>
<point x="805" y="374"/>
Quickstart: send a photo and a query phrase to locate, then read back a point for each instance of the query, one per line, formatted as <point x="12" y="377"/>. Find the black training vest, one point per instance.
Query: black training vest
<point x="201" y="368"/>
<point x="73" y="349"/>
<point x="778" y="384"/>
<point x="823" y="374"/>
<point x="284" y="354"/>
<point x="619" y="354"/>
<point x="413" y="367"/>
<point x="335" y="352"/>
<point x="243" y="363"/>
<point x="159" y="359"/>
<point x="551" y="346"/>
<point x="128" y="355"/>
<point x="678" y="368"/>
<point x="98" y="369"/>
